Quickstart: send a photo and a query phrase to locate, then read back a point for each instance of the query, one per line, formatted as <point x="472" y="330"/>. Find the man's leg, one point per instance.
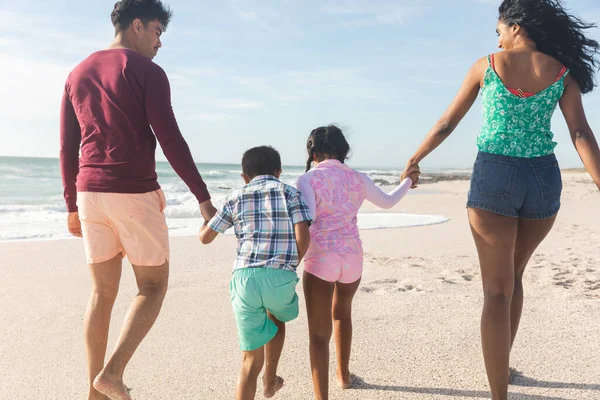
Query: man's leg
<point x="105" y="286"/>
<point x="152" y="285"/>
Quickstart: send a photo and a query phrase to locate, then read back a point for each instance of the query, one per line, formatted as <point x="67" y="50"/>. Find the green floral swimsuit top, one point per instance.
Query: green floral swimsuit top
<point x="515" y="123"/>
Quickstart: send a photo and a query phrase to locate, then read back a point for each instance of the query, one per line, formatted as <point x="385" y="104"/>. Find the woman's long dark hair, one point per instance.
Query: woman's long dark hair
<point x="556" y="33"/>
<point x="327" y="140"/>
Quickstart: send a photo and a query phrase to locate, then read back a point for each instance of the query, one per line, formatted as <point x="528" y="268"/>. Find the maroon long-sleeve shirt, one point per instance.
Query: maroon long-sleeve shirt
<point x="111" y="101"/>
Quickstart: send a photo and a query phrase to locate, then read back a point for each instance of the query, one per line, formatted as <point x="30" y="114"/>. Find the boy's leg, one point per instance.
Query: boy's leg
<point x="272" y="382"/>
<point x="255" y="329"/>
<point x="252" y="363"/>
<point x="281" y="301"/>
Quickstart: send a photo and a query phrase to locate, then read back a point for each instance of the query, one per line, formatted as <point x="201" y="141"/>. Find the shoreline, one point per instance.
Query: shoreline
<point x="401" y="223"/>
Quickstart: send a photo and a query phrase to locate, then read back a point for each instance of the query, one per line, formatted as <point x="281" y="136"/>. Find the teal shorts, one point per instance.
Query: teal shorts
<point x="253" y="292"/>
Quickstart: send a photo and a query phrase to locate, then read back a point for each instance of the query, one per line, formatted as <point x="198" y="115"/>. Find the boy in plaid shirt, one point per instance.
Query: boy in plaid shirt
<point x="271" y="224"/>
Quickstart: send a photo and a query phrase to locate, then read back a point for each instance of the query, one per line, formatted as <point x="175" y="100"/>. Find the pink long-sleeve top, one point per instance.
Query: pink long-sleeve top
<point x="334" y="193"/>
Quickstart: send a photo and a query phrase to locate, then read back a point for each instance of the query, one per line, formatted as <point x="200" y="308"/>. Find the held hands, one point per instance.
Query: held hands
<point x="411" y="171"/>
<point x="74" y="224"/>
<point x="207" y="210"/>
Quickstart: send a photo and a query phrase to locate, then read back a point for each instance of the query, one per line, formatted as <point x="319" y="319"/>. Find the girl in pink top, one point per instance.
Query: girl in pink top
<point x="333" y="264"/>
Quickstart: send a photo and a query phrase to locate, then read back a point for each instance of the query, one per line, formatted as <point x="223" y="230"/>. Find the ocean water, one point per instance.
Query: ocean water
<point x="32" y="205"/>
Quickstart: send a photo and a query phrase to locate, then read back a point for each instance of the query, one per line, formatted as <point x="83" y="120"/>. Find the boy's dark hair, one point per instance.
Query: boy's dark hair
<point x="327" y="140"/>
<point x="126" y="11"/>
<point x="263" y="160"/>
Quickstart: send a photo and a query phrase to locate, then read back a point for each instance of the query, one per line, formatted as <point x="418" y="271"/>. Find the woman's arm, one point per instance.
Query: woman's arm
<point x="581" y="134"/>
<point x="454" y="114"/>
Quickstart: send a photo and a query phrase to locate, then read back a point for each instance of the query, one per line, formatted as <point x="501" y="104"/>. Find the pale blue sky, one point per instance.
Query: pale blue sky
<point x="254" y="72"/>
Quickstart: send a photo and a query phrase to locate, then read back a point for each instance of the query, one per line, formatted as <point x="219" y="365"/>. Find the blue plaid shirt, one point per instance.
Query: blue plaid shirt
<point x="263" y="214"/>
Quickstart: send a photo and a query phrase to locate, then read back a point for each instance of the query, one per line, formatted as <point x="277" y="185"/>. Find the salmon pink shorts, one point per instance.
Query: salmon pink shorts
<point x="132" y="225"/>
<point x="342" y="268"/>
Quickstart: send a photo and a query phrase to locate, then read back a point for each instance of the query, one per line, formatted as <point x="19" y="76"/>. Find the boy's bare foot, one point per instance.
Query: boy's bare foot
<point x="112" y="387"/>
<point x="272" y="386"/>
<point x="346" y="383"/>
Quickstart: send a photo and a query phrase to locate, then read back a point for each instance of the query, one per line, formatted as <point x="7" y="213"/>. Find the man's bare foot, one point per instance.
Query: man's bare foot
<point x="346" y="383"/>
<point x="112" y="387"/>
<point x="272" y="386"/>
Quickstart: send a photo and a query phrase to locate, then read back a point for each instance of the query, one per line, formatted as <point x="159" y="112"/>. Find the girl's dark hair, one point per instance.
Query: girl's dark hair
<point x="327" y="140"/>
<point x="556" y="33"/>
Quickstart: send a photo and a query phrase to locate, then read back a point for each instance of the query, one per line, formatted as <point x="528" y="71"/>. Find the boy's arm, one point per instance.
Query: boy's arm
<point x="302" y="238"/>
<point x="207" y="235"/>
<point x="301" y="218"/>
<point x="218" y="224"/>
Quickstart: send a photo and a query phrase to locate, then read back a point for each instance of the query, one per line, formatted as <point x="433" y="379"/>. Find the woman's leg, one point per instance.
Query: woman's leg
<point x="342" y="322"/>
<point x="529" y="236"/>
<point x="495" y="238"/>
<point x="318" y="295"/>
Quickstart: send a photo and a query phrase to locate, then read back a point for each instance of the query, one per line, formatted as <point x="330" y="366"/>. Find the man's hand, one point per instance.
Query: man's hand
<point x="207" y="210"/>
<point x="74" y="224"/>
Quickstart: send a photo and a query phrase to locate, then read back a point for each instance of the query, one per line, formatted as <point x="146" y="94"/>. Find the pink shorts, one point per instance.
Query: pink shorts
<point x="342" y="268"/>
<point x="133" y="225"/>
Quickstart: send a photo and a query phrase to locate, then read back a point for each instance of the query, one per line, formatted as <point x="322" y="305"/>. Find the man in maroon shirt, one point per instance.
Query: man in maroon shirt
<point x="116" y="105"/>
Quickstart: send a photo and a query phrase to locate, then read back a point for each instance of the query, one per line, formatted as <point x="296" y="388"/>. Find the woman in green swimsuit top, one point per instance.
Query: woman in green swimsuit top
<point x="516" y="182"/>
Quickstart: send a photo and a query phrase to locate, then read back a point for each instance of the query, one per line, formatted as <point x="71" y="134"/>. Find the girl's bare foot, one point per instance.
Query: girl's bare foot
<point x="346" y="383"/>
<point x="272" y="386"/>
<point x="112" y="387"/>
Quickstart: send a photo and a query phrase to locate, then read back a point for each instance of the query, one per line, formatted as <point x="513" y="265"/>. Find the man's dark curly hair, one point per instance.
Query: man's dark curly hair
<point x="126" y="11"/>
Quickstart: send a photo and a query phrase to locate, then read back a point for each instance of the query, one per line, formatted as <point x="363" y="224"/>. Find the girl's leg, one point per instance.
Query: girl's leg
<point x="529" y="236"/>
<point x="495" y="238"/>
<point x="342" y="320"/>
<point x="318" y="295"/>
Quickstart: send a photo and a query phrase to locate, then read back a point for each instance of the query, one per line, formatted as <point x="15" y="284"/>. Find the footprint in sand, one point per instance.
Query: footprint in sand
<point x="466" y="275"/>
<point x="448" y="281"/>
<point x="563" y="278"/>
<point x="591" y="285"/>
<point x="386" y="286"/>
<point x="384" y="281"/>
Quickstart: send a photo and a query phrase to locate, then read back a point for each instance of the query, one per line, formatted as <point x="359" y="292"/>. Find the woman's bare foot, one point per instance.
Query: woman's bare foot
<point x="272" y="386"/>
<point x="112" y="387"/>
<point x="345" y="382"/>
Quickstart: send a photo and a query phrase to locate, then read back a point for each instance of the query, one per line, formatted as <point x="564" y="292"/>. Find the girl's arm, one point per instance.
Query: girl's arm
<point x="581" y="134"/>
<point x="382" y="199"/>
<point x="303" y="185"/>
<point x="454" y="114"/>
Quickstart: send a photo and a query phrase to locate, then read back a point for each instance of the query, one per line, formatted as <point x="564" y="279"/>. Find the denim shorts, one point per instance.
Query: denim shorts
<point x="527" y="188"/>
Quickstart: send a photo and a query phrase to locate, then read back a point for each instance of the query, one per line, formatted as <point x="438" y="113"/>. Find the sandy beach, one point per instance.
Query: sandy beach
<point x="416" y="316"/>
